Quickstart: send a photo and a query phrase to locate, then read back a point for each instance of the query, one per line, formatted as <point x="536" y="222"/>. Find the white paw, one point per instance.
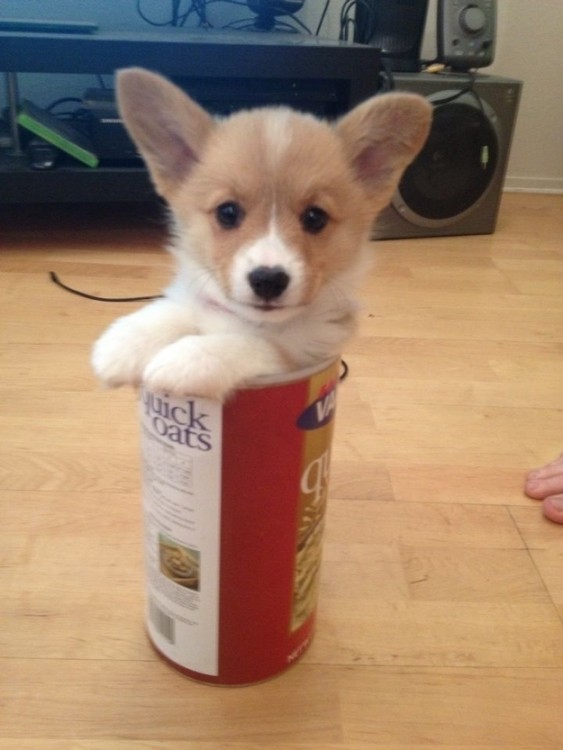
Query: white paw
<point x="193" y="366"/>
<point x="120" y="355"/>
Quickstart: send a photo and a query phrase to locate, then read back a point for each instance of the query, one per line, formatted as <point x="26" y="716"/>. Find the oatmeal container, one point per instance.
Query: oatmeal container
<point x="234" y="500"/>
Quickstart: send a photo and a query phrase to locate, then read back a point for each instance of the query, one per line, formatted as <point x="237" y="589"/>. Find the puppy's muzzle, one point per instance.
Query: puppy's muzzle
<point x="268" y="282"/>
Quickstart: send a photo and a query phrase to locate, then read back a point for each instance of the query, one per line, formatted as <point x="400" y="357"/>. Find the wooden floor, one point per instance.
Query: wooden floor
<point x="441" y="616"/>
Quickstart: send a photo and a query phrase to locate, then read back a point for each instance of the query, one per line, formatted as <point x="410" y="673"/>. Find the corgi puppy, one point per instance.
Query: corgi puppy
<point x="272" y="212"/>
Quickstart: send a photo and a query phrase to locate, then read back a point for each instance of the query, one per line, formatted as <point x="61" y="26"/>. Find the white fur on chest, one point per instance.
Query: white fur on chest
<point x="316" y="332"/>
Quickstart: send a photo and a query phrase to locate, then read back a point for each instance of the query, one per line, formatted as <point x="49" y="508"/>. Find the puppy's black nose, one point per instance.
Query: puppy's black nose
<point x="268" y="282"/>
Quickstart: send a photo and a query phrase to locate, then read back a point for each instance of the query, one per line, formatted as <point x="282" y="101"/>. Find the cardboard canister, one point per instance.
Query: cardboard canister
<point x="234" y="501"/>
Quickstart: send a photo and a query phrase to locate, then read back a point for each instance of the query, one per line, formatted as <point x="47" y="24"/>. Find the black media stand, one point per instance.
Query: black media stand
<point x="224" y="70"/>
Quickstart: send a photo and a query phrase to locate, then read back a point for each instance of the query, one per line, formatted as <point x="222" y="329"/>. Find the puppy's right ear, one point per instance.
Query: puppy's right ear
<point x="381" y="137"/>
<point x="168" y="127"/>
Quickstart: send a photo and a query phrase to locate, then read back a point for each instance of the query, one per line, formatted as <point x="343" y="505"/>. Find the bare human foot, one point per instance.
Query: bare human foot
<point x="546" y="484"/>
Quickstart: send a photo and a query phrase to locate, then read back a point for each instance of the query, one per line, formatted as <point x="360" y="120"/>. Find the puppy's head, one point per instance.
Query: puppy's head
<point x="272" y="205"/>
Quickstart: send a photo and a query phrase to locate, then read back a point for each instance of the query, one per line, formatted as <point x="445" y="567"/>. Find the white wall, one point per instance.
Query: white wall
<point x="529" y="47"/>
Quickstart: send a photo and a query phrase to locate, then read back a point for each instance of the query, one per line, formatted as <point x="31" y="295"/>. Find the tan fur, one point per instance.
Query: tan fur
<point x="275" y="164"/>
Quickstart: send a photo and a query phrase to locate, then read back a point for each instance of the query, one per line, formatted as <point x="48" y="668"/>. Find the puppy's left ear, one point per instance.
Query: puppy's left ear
<point x="381" y="137"/>
<point x="169" y="128"/>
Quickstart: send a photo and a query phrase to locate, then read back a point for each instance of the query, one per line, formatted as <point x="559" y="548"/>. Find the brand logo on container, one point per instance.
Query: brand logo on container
<point x="314" y="481"/>
<point x="181" y="423"/>
<point x="320" y="412"/>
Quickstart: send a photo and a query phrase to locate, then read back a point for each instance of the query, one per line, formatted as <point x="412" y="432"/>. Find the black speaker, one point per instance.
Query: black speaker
<point x="454" y="185"/>
<point x="396" y="27"/>
<point x="466" y="33"/>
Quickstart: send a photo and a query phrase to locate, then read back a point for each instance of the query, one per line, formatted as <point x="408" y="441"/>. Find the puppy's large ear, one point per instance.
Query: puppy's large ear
<point x="381" y="137"/>
<point x="168" y="127"/>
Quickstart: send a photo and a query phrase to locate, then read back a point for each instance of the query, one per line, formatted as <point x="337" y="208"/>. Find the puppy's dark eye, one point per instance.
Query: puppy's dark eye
<point x="229" y="214"/>
<point x="314" y="219"/>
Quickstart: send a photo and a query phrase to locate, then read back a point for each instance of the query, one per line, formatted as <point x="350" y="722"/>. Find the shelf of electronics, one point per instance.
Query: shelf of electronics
<point x="224" y="70"/>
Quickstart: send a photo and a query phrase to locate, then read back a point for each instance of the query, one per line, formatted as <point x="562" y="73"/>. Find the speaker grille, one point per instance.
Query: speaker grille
<point x="456" y="165"/>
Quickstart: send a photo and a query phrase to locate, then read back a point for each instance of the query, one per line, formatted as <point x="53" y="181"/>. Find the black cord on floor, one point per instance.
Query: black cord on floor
<point x="55" y="279"/>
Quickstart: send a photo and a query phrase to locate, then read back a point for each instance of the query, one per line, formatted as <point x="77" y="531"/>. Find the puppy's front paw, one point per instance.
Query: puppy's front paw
<point x="118" y="356"/>
<point x="121" y="354"/>
<point x="193" y="366"/>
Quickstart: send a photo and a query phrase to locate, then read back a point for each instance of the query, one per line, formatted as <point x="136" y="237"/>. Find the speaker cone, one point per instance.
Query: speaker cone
<point x="456" y="166"/>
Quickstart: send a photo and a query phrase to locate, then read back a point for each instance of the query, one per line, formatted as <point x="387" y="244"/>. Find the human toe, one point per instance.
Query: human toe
<point x="553" y="508"/>
<point x="547" y="470"/>
<point x="540" y="487"/>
